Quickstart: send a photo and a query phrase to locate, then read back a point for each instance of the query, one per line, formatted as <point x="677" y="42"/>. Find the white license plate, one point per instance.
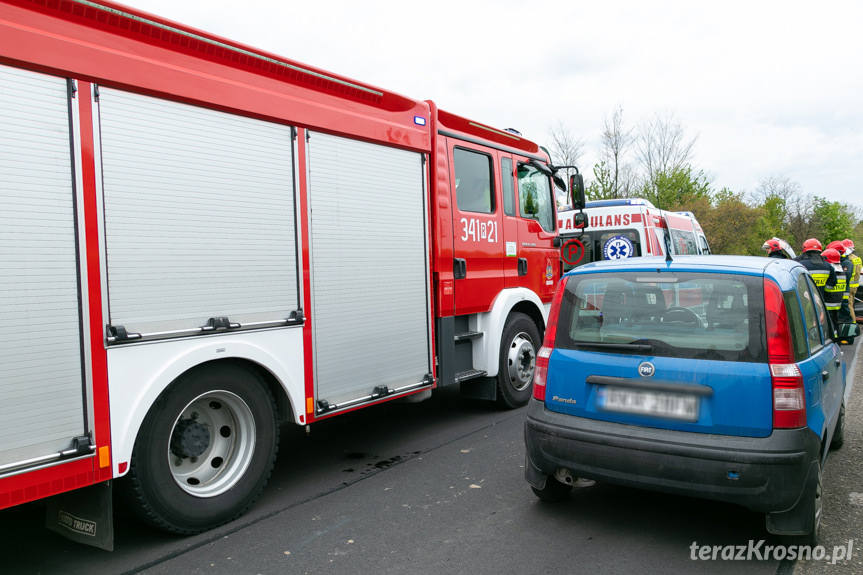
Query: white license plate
<point x="669" y="405"/>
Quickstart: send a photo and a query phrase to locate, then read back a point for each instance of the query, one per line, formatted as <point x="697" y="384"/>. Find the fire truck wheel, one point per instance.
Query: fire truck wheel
<point x="518" y="348"/>
<point x="205" y="450"/>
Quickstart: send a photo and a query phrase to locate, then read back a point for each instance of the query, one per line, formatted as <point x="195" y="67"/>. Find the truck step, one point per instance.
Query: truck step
<point x="469" y="374"/>
<point x="465" y="335"/>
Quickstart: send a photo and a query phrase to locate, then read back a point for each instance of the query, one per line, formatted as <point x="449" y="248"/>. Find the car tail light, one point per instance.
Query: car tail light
<point x="541" y="371"/>
<point x="789" y="398"/>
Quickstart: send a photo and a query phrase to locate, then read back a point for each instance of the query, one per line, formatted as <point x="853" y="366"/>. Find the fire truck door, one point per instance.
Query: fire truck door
<point x="369" y="269"/>
<point x="42" y="397"/>
<point x="478" y="245"/>
<point x="538" y="258"/>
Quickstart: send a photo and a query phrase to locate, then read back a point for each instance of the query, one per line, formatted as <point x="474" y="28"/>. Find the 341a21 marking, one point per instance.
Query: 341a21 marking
<point x="478" y="230"/>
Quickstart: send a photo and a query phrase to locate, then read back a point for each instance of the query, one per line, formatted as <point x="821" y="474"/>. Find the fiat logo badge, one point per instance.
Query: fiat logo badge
<point x="646" y="369"/>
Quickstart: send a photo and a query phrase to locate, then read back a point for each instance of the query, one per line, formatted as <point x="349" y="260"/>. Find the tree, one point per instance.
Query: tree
<point x="663" y="147"/>
<point x="677" y="189"/>
<point x="619" y="178"/>
<point x="834" y="219"/>
<point x="787" y="214"/>
<point x="601" y="188"/>
<point x="729" y="224"/>
<point x="565" y="150"/>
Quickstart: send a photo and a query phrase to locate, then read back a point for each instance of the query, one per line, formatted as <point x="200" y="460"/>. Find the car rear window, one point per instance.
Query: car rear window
<point x="686" y="315"/>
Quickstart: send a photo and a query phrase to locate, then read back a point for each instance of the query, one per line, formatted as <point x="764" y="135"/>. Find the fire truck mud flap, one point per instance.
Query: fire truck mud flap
<point x="84" y="515"/>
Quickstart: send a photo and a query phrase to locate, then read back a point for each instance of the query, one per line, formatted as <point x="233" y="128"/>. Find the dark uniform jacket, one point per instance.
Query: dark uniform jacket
<point x="819" y="269"/>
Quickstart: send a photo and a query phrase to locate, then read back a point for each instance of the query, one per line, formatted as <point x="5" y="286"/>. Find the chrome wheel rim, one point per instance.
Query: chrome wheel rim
<point x="521" y="362"/>
<point x="212" y="444"/>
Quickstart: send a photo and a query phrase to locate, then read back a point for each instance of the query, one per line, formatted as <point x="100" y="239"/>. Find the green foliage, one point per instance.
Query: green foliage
<point x="772" y="222"/>
<point x="729" y="224"/>
<point x="834" y="220"/>
<point x="602" y="187"/>
<point x="677" y="189"/>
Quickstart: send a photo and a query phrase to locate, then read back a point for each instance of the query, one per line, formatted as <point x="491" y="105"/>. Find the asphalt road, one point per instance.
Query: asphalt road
<point x="438" y="488"/>
<point x="843" y="485"/>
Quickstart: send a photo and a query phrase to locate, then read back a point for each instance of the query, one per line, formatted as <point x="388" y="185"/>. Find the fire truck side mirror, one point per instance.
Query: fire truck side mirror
<point x="579" y="220"/>
<point x="576" y="186"/>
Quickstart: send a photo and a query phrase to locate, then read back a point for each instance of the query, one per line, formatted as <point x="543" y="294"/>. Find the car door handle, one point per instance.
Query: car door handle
<point x="522" y="266"/>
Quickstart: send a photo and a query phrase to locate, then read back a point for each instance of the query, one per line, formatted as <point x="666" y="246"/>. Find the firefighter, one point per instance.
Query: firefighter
<point x="848" y="269"/>
<point x="855" y="277"/>
<point x="836" y="293"/>
<point x="822" y="272"/>
<point x="778" y="248"/>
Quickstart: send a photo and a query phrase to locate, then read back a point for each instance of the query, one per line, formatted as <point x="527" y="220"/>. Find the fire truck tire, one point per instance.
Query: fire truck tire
<point x="518" y="347"/>
<point x="205" y="450"/>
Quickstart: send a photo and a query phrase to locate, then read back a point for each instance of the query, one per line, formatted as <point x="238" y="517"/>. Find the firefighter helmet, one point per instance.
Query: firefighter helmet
<point x="778" y="248"/>
<point x="831" y="255"/>
<point x="812" y="244"/>
<point x="849" y="245"/>
<point x="838" y="246"/>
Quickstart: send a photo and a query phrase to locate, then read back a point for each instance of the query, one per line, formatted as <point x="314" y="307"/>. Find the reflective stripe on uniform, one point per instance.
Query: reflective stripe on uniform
<point x="855" y="280"/>
<point x="834" y="295"/>
<point x="820" y="278"/>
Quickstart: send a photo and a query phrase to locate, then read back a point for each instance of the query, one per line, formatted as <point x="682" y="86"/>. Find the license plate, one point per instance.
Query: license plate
<point x="669" y="405"/>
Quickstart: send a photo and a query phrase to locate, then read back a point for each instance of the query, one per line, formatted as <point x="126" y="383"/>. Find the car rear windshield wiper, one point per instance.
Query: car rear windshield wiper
<point x="632" y="346"/>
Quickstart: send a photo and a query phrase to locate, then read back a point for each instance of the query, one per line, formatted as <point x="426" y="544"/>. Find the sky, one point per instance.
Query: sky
<point x="768" y="88"/>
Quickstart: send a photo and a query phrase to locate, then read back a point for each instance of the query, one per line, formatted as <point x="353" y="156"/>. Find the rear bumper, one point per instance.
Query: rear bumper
<point x="767" y="474"/>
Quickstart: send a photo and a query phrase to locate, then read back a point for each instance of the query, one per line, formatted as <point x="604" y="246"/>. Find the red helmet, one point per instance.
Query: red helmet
<point x="777" y="248"/>
<point x="812" y="244"/>
<point x="831" y="255"/>
<point x="838" y="246"/>
<point x="771" y="246"/>
<point x="849" y="245"/>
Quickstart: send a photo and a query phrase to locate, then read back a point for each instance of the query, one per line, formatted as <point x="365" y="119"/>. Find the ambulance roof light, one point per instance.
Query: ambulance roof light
<point x="619" y="202"/>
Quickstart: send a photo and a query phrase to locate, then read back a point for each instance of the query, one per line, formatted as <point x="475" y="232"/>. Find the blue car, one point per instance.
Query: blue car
<point x="718" y="377"/>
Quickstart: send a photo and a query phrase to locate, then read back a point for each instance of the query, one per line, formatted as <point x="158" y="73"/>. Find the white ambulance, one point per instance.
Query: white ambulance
<point x="624" y="228"/>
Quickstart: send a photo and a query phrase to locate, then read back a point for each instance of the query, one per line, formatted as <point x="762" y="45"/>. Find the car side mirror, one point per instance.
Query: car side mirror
<point x="847" y="332"/>
<point x="579" y="220"/>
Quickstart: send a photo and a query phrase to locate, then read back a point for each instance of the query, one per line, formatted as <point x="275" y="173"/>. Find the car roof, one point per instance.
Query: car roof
<point x="780" y="270"/>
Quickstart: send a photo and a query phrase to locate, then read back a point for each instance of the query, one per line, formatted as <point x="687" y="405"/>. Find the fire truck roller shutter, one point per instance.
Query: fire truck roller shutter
<point x="199" y="215"/>
<point x="41" y="397"/>
<point x="369" y="268"/>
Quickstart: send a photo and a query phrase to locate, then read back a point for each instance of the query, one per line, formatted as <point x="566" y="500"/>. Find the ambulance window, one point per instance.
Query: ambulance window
<point x="535" y="196"/>
<point x="474" y="188"/>
<point x="507" y="187"/>
<point x="683" y="242"/>
<point x="705" y="248"/>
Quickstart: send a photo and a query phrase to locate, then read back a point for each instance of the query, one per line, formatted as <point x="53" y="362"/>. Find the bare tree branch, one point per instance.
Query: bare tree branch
<point x="663" y="147"/>
<point x="616" y="141"/>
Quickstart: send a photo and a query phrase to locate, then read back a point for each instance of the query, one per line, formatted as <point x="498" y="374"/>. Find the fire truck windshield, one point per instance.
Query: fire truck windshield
<point x="535" y="196"/>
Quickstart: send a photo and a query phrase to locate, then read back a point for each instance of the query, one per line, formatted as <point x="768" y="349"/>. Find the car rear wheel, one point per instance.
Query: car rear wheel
<point x="839" y="432"/>
<point x="554" y="490"/>
<point x="814" y="507"/>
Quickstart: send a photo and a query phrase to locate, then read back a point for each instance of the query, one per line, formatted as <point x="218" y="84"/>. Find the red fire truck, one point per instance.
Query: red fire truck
<point x="204" y="240"/>
<point x="624" y="228"/>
